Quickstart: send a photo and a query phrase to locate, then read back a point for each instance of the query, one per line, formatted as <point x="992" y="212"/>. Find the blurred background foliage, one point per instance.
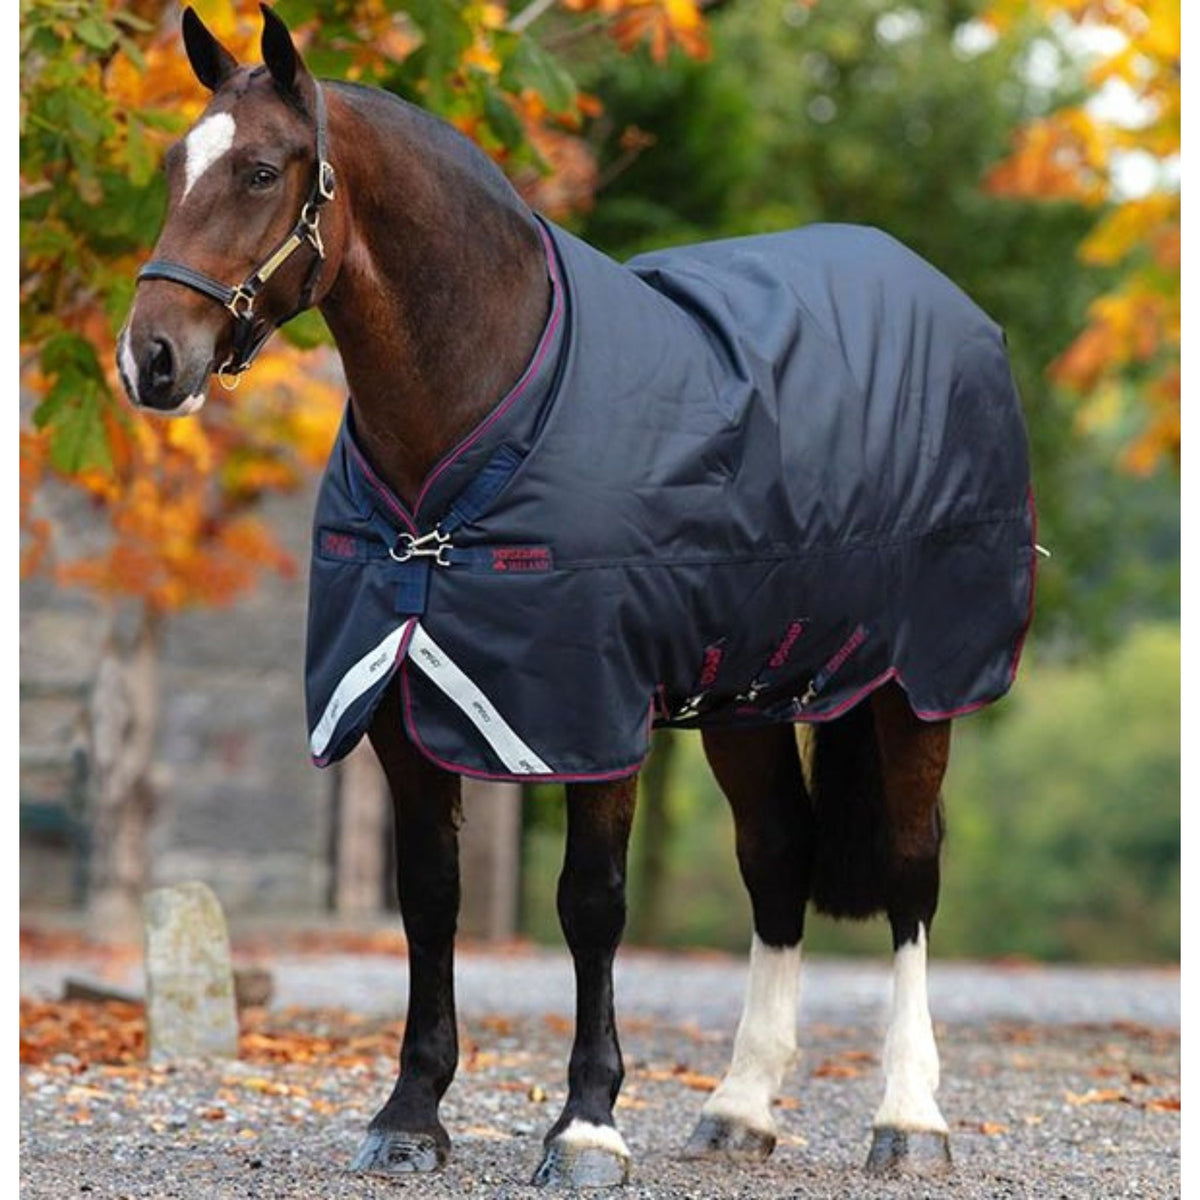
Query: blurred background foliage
<point x="1063" y="802"/>
<point x="1063" y="827"/>
<point x="1028" y="148"/>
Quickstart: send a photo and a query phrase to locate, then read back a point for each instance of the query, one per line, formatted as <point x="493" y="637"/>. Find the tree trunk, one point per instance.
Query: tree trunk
<point x="123" y="720"/>
<point x="361" y="829"/>
<point x="653" y="838"/>
<point x="489" y="854"/>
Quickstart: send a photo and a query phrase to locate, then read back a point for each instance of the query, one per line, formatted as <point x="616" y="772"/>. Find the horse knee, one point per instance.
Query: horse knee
<point x="591" y="906"/>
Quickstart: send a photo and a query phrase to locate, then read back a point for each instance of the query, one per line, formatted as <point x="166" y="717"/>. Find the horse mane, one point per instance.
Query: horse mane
<point x="452" y="150"/>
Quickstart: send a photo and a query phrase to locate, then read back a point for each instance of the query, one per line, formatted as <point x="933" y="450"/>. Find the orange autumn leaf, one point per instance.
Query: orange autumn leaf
<point x="1096" y="1096"/>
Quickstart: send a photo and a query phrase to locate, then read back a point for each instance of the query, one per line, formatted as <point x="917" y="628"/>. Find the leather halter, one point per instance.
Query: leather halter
<point x="249" y="332"/>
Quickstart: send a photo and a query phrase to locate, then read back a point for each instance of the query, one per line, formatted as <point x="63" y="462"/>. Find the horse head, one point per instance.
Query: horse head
<point x="242" y="248"/>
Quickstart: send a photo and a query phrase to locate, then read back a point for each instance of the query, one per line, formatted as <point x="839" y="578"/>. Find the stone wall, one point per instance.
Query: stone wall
<point x="239" y="804"/>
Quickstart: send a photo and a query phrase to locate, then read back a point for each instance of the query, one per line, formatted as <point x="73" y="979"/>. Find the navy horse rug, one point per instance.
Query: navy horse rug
<point x="738" y="483"/>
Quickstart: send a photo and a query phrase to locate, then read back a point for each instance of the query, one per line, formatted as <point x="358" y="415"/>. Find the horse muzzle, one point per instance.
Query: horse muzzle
<point x="158" y="378"/>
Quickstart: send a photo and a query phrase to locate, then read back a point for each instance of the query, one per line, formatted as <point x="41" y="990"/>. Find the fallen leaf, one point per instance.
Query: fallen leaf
<point x="835" y="1070"/>
<point x="1163" y="1104"/>
<point x="681" y="1074"/>
<point x="1096" y="1096"/>
<point x="988" y="1128"/>
<point x="486" y="1131"/>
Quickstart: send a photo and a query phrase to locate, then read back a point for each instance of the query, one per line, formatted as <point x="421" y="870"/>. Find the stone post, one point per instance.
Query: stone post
<point x="190" y="1008"/>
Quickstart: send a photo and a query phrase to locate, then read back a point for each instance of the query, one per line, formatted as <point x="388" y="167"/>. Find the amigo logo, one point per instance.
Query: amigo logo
<point x="712" y="664"/>
<point x="794" y="630"/>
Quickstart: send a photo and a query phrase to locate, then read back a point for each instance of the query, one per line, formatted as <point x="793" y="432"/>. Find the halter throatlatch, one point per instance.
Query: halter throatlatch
<point x="249" y="332"/>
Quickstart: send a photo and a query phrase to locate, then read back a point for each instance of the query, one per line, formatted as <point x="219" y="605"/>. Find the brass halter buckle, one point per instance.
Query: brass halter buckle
<point x="241" y="303"/>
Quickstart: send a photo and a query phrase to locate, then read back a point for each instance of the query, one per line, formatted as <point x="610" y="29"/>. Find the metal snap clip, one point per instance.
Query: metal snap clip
<point x="435" y="544"/>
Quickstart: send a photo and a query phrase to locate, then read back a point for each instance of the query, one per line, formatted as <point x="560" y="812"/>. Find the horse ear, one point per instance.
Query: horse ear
<point x="210" y="60"/>
<point x="282" y="59"/>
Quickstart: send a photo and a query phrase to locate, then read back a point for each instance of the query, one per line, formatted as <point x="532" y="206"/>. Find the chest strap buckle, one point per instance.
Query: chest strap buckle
<point x="435" y="544"/>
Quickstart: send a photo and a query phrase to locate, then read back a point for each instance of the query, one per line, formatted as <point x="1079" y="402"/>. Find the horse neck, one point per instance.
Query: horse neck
<point x="441" y="288"/>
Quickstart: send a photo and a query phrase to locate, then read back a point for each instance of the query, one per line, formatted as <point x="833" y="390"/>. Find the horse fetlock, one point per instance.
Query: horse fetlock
<point x="908" y="1105"/>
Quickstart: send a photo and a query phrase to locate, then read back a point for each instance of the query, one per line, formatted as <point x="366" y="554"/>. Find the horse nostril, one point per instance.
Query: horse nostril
<point x="161" y="365"/>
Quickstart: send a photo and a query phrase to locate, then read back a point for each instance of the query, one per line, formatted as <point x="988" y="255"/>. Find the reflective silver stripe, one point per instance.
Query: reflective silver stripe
<point x="448" y="678"/>
<point x="371" y="669"/>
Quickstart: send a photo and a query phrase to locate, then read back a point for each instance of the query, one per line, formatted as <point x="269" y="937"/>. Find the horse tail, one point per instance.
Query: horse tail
<point x="850" y="857"/>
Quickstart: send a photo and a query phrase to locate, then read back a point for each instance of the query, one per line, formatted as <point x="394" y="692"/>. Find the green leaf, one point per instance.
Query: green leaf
<point x="90" y="30"/>
<point x="70" y="353"/>
<point x="532" y="67"/>
<point x="502" y="121"/>
<point x="307" y="330"/>
<point x="295" y="12"/>
<point x="139" y="153"/>
<point x="78" y="440"/>
<point x="73" y="411"/>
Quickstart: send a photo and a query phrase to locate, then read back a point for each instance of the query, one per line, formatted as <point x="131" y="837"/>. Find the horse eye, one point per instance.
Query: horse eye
<point x="262" y="178"/>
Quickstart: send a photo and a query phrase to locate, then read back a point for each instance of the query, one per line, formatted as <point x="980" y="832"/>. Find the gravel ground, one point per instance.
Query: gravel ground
<point x="1081" y="1103"/>
<point x="703" y="988"/>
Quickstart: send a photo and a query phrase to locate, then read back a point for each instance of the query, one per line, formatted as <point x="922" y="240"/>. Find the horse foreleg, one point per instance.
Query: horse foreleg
<point x="910" y="1132"/>
<point x="759" y="772"/>
<point x="583" y="1147"/>
<point x="406" y="1135"/>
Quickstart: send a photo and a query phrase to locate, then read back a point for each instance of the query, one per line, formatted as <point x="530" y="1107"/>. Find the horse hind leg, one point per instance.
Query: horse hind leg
<point x="909" y="1131"/>
<point x="760" y="774"/>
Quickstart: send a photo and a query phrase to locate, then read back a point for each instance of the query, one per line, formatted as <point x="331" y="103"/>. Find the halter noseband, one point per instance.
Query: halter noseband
<point x="249" y="334"/>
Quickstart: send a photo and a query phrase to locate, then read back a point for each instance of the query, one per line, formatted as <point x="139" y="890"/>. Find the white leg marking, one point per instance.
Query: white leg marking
<point x="765" y="1045"/>
<point x="205" y="144"/>
<point x="128" y="366"/>
<point x="910" y="1058"/>
<point x="600" y="1137"/>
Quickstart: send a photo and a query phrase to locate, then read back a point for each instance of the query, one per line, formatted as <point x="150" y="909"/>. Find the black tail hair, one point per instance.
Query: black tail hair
<point x="850" y="860"/>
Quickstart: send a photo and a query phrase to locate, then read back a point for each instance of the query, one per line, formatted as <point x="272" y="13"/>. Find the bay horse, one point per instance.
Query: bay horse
<point x="458" y="314"/>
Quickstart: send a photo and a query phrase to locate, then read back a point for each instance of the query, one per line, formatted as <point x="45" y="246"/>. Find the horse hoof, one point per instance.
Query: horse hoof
<point x="395" y="1152"/>
<point x="719" y="1137"/>
<point x="573" y="1162"/>
<point x="909" y="1152"/>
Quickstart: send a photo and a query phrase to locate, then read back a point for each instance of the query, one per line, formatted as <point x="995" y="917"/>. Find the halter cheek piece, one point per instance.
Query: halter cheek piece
<point x="249" y="332"/>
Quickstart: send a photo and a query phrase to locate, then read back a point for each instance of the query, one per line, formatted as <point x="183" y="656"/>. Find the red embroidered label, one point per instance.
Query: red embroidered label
<point x="521" y="558"/>
<point x="341" y="545"/>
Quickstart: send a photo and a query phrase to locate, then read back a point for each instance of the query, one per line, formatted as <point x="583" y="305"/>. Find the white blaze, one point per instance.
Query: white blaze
<point x="205" y="144"/>
<point x="128" y="366"/>
<point x="765" y="1045"/>
<point x="910" y="1058"/>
